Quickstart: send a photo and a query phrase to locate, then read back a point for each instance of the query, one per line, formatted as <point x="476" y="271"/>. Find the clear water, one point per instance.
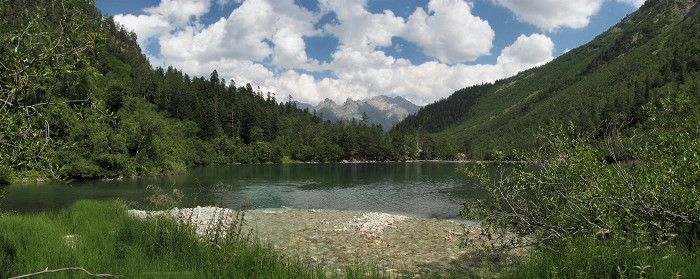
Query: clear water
<point x="423" y="189"/>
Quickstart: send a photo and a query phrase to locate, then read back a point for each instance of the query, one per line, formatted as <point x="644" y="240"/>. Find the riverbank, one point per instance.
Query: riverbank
<point x="104" y="238"/>
<point x="101" y="238"/>
<point x="335" y="239"/>
<point x="34" y="176"/>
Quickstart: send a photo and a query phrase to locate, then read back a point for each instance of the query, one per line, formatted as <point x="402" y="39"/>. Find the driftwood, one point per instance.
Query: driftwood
<point x="64" y="269"/>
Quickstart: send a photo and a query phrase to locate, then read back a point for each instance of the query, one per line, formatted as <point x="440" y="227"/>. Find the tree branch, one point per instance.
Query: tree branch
<point x="50" y="103"/>
<point x="64" y="269"/>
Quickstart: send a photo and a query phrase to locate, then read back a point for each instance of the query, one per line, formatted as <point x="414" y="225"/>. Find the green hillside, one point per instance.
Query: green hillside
<point x="651" y="53"/>
<point x="79" y="100"/>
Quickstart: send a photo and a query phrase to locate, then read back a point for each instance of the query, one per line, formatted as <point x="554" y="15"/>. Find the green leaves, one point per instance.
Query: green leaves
<point x="38" y="47"/>
<point x="567" y="189"/>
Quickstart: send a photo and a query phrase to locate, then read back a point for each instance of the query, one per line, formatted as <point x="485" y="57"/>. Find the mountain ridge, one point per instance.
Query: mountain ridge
<point x="650" y="53"/>
<point x="380" y="110"/>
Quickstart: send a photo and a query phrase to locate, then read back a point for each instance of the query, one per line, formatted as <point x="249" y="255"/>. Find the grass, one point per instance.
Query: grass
<point x="289" y="160"/>
<point x="616" y="257"/>
<point x="102" y="238"/>
<point x="15" y="177"/>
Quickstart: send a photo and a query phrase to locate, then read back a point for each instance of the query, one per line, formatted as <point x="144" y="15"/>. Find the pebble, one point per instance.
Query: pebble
<point x="334" y="239"/>
<point x="207" y="221"/>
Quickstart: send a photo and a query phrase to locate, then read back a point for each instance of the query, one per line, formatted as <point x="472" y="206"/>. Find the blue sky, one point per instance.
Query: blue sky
<point x="422" y="50"/>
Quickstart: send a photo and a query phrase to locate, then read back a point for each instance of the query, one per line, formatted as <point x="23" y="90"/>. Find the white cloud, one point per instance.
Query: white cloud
<point x="180" y="12"/>
<point x="526" y="52"/>
<point x="360" y="29"/>
<point x="223" y="3"/>
<point x="146" y="27"/>
<point x="553" y="14"/>
<point x="255" y="31"/>
<point x="447" y="31"/>
<point x="290" y="49"/>
<point x="160" y="20"/>
<point x="636" y="3"/>
<point x="451" y="33"/>
<point x="363" y="75"/>
<point x="261" y="42"/>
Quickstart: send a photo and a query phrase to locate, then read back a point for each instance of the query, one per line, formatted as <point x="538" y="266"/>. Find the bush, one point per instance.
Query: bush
<point x="588" y="257"/>
<point x="4" y="175"/>
<point x="568" y="189"/>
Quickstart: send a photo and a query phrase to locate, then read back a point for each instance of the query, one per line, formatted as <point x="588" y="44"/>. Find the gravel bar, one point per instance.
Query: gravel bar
<point x="334" y="239"/>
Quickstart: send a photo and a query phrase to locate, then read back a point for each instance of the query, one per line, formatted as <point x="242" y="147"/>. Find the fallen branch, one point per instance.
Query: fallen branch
<point x="64" y="269"/>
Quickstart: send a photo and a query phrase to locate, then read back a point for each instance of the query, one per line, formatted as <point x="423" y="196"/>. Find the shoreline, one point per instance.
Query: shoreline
<point x="334" y="239"/>
<point x="38" y="179"/>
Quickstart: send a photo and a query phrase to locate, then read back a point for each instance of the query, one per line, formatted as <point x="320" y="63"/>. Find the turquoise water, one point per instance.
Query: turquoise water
<point x="422" y="189"/>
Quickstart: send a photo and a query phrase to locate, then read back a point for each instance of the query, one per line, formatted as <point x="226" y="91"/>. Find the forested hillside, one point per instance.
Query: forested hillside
<point x="652" y="53"/>
<point x="79" y="100"/>
<point x="439" y="115"/>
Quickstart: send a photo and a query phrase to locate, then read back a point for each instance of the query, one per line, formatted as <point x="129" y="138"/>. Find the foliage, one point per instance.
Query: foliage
<point x="589" y="257"/>
<point x="163" y="200"/>
<point x="79" y="100"/>
<point x="39" y="47"/>
<point x="568" y="189"/>
<point x="4" y="175"/>
<point x="2" y="196"/>
<point x="441" y="114"/>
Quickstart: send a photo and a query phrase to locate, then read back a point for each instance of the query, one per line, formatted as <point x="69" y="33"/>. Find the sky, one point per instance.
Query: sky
<point x="422" y="50"/>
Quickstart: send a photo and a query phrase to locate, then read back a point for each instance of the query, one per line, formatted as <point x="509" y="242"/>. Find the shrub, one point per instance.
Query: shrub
<point x="4" y="175"/>
<point x="568" y="189"/>
<point x="588" y="257"/>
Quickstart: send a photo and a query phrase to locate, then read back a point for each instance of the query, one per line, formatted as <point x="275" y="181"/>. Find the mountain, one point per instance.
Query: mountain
<point x="650" y="54"/>
<point x="380" y="110"/>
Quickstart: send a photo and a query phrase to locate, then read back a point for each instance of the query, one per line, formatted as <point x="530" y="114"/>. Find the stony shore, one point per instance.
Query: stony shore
<point x="334" y="239"/>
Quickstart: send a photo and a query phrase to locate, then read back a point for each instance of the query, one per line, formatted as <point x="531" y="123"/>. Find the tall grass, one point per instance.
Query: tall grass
<point x="617" y="257"/>
<point x="102" y="238"/>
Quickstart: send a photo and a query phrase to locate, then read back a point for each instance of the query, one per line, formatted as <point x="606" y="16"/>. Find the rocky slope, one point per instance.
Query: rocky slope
<point x="380" y="110"/>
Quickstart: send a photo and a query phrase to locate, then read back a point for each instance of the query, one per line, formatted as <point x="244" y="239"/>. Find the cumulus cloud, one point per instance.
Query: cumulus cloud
<point x="451" y="33"/>
<point x="636" y="3"/>
<point x="160" y="20"/>
<point x="146" y="27"/>
<point x="553" y="14"/>
<point x="363" y="75"/>
<point x="180" y="12"/>
<point x="261" y="42"/>
<point x="528" y="50"/>
<point x="222" y="3"/>
<point x="447" y="30"/>
<point x="255" y="31"/>
<point x="358" y="28"/>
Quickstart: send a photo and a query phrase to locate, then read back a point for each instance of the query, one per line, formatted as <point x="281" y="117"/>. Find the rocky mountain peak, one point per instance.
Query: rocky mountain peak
<point x="381" y="110"/>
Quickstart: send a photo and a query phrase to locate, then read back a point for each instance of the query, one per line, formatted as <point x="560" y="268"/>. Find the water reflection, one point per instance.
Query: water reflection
<point x="416" y="189"/>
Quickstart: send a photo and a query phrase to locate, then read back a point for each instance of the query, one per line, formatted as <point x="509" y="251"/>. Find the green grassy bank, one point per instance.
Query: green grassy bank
<point x="617" y="257"/>
<point x="102" y="238"/>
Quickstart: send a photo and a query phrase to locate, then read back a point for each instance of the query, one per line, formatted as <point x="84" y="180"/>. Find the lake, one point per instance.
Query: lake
<point x="420" y="189"/>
